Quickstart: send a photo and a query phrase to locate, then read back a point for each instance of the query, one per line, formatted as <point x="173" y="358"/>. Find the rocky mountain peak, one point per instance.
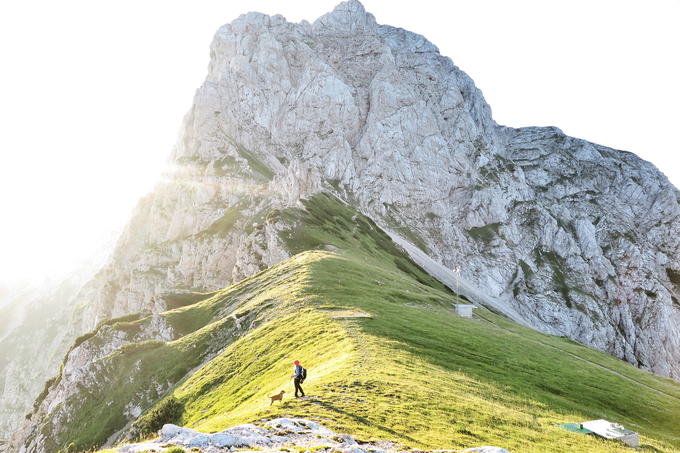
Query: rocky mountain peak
<point x="354" y="6"/>
<point x="579" y="239"/>
<point x="376" y="115"/>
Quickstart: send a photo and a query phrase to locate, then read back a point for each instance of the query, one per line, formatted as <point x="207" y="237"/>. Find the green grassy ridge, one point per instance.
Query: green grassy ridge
<point x="661" y="384"/>
<point x="416" y="373"/>
<point x="266" y="348"/>
<point x="326" y="221"/>
<point x="412" y="372"/>
<point x="267" y="296"/>
<point x="150" y="363"/>
<point x="203" y="328"/>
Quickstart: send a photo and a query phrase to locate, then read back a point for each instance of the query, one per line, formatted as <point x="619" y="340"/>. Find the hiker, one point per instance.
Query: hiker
<point x="297" y="376"/>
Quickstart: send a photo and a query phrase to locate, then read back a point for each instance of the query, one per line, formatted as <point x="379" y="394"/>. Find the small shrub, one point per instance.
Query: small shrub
<point x="167" y="411"/>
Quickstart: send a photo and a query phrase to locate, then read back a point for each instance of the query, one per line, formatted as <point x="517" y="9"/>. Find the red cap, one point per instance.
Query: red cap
<point x="297" y="362"/>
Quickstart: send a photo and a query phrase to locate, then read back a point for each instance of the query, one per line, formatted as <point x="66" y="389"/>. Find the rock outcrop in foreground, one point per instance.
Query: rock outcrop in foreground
<point x="581" y="240"/>
<point x="280" y="434"/>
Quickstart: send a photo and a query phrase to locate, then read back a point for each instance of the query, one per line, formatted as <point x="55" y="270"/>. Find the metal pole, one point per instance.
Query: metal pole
<point x="457" y="275"/>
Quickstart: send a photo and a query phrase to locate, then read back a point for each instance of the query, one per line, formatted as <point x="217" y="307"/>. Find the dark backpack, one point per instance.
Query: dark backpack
<point x="303" y="374"/>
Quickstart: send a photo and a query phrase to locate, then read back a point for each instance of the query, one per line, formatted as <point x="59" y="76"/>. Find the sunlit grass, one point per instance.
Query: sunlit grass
<point x="417" y="374"/>
<point x="406" y="370"/>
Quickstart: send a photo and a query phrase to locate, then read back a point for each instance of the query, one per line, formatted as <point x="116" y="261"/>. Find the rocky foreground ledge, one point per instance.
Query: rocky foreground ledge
<point x="281" y="434"/>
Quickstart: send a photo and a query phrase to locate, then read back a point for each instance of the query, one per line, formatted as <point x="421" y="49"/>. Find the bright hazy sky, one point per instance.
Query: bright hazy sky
<point x="92" y="93"/>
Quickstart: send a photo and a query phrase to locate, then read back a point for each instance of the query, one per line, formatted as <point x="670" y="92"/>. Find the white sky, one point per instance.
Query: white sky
<point x="92" y="93"/>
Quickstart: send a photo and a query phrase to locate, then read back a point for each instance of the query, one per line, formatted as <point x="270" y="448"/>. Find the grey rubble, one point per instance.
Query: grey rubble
<point x="271" y="436"/>
<point x="579" y="239"/>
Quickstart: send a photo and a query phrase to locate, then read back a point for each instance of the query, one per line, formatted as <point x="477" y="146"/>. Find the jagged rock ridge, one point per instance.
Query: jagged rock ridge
<point x="582" y="240"/>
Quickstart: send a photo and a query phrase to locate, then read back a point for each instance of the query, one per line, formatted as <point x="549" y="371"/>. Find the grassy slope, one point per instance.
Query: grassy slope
<point x="411" y="371"/>
<point x="421" y="375"/>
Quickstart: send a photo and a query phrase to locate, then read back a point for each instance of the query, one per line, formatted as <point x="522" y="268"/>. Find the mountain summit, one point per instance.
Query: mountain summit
<point x="568" y="237"/>
<point x="582" y="240"/>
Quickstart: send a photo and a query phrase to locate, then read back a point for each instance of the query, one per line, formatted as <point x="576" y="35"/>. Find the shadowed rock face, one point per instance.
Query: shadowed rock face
<point x="580" y="239"/>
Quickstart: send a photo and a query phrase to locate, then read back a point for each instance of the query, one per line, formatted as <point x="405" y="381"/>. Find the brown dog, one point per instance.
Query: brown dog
<point x="276" y="397"/>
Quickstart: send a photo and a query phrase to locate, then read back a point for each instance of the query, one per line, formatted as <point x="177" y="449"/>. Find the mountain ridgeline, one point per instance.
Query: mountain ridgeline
<point x="380" y="339"/>
<point x="307" y="150"/>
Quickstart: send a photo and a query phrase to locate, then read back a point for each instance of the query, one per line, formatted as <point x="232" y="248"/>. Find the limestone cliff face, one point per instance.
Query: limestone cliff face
<point x="580" y="239"/>
<point x="371" y="112"/>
